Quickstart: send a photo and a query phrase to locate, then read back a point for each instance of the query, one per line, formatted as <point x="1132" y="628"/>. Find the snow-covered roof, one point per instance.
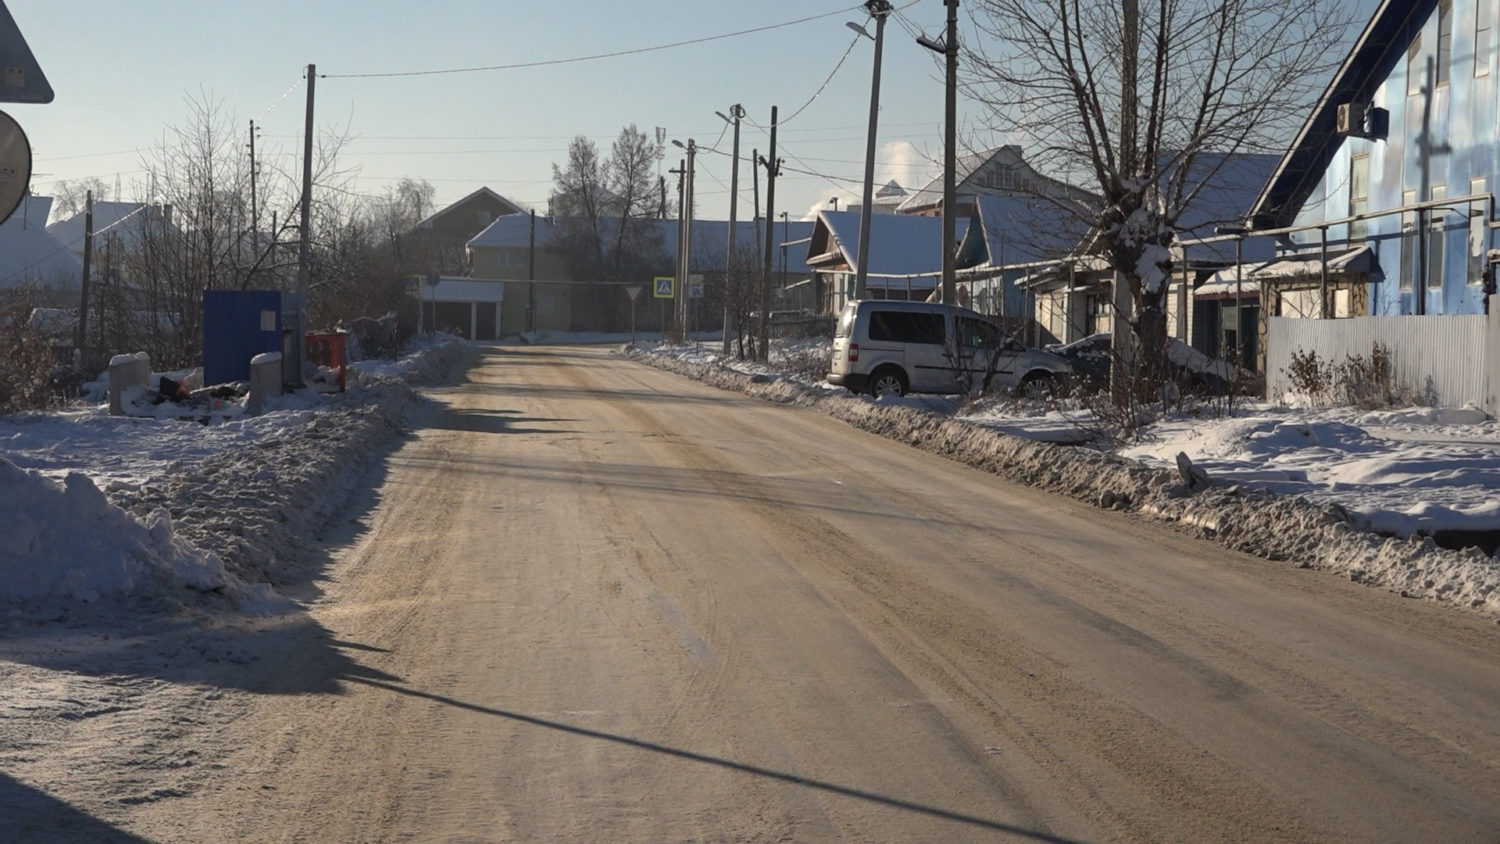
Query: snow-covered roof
<point x="1018" y="230"/>
<point x="710" y="237"/>
<point x="1226" y="187"/>
<point x="108" y="216"/>
<point x="29" y="254"/>
<point x="900" y="245"/>
<point x="513" y="231"/>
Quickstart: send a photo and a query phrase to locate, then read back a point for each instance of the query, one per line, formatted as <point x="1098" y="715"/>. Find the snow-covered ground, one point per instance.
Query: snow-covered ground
<point x="95" y="508"/>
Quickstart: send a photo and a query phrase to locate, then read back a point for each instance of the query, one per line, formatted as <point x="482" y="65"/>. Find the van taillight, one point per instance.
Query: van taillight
<point x="853" y="351"/>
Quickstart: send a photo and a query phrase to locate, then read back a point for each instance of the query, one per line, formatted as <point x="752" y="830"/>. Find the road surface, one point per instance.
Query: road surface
<point x="594" y="601"/>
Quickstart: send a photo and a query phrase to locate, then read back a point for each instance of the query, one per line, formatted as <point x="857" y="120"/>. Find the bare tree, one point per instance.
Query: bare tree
<point x="630" y="179"/>
<point x="1143" y="105"/>
<point x="70" y="196"/>
<point x="578" y="204"/>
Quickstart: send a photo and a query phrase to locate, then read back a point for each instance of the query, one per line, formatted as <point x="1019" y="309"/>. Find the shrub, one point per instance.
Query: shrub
<point x="1368" y="383"/>
<point x="27" y="361"/>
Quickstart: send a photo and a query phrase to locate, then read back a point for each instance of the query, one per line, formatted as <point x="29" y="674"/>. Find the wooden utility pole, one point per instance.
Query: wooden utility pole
<point x="304" y="246"/>
<point x="83" y="296"/>
<point x="773" y="169"/>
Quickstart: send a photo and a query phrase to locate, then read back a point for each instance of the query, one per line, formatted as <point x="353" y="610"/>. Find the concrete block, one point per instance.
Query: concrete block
<point x="125" y="372"/>
<point x="265" y="381"/>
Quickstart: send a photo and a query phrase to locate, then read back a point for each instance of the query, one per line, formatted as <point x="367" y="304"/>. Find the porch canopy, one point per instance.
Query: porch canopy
<point x="1304" y="267"/>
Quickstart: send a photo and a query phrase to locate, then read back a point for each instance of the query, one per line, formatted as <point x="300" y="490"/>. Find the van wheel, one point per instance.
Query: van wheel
<point x="887" y="381"/>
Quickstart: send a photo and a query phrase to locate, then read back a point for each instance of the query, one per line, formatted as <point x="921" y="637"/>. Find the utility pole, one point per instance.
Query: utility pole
<point x="950" y="153"/>
<point x="681" y="171"/>
<point x="254" y="213"/>
<point x="254" y="197"/>
<point x="304" y="246"/>
<point x="773" y="169"/>
<point x="880" y="10"/>
<point x="685" y="244"/>
<point x="736" y="112"/>
<point x="83" y="297"/>
<point x="531" y="278"/>
<point x="949" y="48"/>
<point x="755" y="197"/>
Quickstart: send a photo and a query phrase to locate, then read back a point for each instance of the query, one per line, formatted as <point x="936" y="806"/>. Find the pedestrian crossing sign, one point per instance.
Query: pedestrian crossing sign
<point x="665" y="285"/>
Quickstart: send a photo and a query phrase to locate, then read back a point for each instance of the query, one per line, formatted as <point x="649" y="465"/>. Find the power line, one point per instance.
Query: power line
<point x="596" y="57"/>
<point x="824" y="86"/>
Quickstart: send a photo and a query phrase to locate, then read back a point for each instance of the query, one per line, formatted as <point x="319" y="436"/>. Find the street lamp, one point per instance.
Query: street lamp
<point x="834" y="201"/>
<point x="879" y="10"/>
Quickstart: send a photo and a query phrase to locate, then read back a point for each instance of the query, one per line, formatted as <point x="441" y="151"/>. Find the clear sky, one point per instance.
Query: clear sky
<point x="126" y="73"/>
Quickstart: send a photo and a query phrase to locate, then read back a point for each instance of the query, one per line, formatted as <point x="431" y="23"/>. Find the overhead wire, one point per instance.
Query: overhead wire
<point x="576" y="59"/>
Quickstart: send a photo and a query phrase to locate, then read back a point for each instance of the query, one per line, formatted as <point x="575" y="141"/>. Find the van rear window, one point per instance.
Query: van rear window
<point x="904" y="327"/>
<point x="846" y="323"/>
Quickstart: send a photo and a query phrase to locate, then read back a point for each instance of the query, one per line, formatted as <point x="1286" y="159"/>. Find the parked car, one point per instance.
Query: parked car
<point x="1191" y="369"/>
<point x="892" y="347"/>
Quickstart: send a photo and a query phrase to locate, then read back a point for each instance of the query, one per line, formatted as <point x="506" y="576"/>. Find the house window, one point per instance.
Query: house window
<point x="483" y="216"/>
<point x="1437" y="239"/>
<point x="1414" y="66"/>
<point x="1359" y="194"/>
<point x="1484" y="24"/>
<point x="1408" y="241"/>
<point x="1444" y="41"/>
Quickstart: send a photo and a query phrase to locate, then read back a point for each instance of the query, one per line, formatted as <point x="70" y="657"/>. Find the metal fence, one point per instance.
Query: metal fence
<point x="1435" y="360"/>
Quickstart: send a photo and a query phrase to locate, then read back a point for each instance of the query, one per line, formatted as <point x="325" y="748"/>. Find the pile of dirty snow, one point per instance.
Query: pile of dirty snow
<point x="94" y="506"/>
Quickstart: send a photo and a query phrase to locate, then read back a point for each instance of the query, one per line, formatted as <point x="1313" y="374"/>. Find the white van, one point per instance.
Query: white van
<point x="891" y="347"/>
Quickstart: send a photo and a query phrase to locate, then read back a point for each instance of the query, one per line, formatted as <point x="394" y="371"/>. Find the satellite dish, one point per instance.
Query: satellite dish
<point x="15" y="165"/>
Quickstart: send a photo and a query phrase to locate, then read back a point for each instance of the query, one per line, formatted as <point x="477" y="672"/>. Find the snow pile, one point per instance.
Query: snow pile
<point x="67" y="539"/>
<point x="1300" y="529"/>
<point x="1410" y="472"/>
<point x="170" y="509"/>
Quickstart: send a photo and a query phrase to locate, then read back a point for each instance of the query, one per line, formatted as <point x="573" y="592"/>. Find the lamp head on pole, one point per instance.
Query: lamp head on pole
<point x="859" y="28"/>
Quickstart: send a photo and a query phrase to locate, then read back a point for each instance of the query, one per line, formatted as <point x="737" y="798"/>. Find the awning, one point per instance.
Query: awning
<point x="1225" y="284"/>
<point x="1304" y="267"/>
<point x="1356" y="261"/>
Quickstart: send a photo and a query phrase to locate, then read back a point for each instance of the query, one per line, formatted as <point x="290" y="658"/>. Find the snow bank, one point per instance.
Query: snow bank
<point x="1307" y="533"/>
<point x="66" y="539"/>
<point x="226" y="511"/>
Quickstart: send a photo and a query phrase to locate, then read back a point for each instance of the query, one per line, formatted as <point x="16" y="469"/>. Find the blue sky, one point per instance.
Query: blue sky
<point x="125" y="73"/>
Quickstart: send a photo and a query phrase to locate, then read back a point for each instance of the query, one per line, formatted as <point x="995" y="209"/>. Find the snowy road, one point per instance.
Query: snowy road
<point x="596" y="601"/>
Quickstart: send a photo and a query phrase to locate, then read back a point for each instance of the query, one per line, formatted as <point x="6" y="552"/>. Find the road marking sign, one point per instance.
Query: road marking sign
<point x="665" y="287"/>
